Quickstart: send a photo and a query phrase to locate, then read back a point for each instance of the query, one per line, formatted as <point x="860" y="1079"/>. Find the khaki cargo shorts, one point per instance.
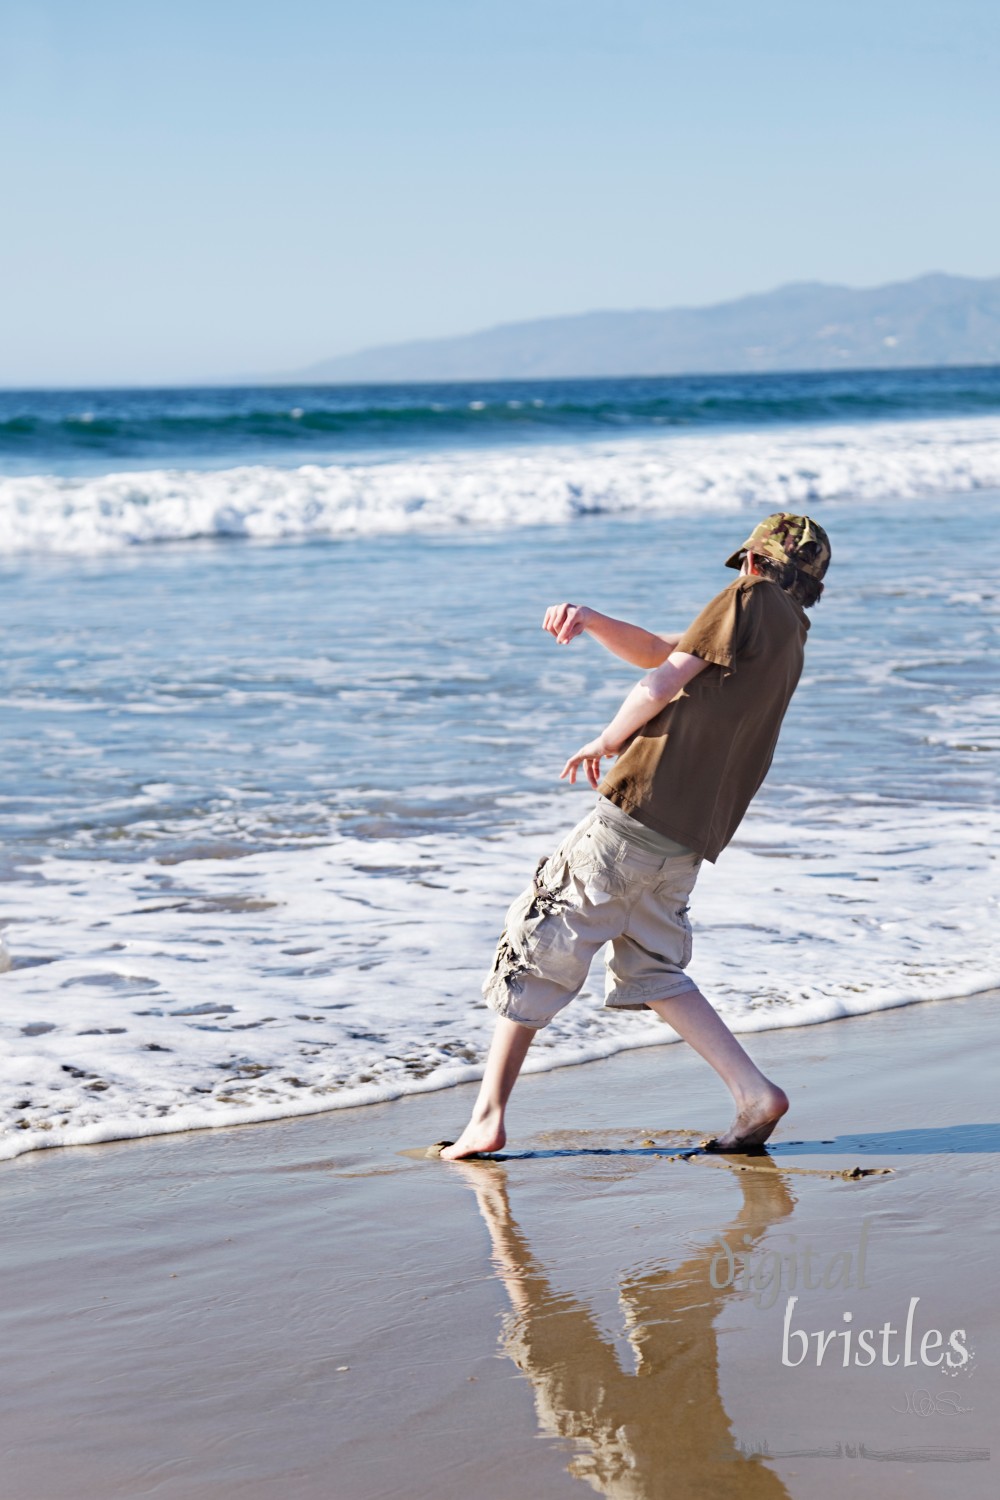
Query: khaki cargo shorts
<point x="598" y="887"/>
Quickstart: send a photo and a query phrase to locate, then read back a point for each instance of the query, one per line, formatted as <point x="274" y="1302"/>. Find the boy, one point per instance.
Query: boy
<point x="693" y="740"/>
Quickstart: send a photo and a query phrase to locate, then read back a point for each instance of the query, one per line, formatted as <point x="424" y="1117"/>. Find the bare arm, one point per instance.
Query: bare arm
<point x="643" y="648"/>
<point x="645" y="700"/>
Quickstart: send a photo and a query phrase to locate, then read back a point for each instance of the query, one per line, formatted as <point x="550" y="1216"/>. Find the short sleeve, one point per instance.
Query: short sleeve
<point x="720" y="630"/>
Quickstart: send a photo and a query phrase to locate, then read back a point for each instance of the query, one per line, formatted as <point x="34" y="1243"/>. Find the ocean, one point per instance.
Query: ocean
<point x="283" y="731"/>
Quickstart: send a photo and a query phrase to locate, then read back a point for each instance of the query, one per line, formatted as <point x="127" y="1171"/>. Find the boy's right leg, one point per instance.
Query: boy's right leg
<point x="485" y="1130"/>
<point x="760" y="1103"/>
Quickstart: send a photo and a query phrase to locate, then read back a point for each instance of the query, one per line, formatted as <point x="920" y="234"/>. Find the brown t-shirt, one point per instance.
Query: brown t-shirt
<point x="692" y="770"/>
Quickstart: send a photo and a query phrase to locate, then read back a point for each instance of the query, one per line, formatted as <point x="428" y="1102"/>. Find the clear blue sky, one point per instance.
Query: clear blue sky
<point x="227" y="186"/>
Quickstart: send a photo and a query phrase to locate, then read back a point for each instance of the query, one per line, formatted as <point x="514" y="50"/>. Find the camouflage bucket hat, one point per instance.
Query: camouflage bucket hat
<point x="788" y="538"/>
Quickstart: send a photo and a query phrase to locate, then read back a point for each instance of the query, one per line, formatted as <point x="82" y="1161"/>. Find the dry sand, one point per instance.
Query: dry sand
<point x="300" y="1310"/>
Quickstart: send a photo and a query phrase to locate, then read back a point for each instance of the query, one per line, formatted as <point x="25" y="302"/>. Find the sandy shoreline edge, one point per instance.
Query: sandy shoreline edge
<point x="300" y="1304"/>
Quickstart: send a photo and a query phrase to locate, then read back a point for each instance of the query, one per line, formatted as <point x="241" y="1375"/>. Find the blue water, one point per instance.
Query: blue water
<point x="403" y="683"/>
<point x="282" y="740"/>
<point x="90" y="431"/>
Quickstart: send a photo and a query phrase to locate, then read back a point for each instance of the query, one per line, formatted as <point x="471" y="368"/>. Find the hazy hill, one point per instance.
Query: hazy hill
<point x="934" y="320"/>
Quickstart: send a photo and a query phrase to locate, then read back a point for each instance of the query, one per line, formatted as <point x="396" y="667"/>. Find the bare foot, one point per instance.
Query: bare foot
<point x="478" y="1136"/>
<point x="754" y="1122"/>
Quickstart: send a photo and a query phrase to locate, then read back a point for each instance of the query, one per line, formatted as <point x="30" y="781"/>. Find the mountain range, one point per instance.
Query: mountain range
<point x="808" y="325"/>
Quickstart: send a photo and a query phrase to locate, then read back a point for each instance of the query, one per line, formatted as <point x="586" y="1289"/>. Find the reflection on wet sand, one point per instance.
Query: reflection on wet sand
<point x="662" y="1431"/>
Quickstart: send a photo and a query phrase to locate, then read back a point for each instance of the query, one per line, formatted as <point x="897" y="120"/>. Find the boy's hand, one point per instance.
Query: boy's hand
<point x="590" y="758"/>
<point x="565" y="621"/>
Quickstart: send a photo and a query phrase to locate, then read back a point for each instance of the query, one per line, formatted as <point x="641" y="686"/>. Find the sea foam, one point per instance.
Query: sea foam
<point x="148" y="998"/>
<point x="502" y="488"/>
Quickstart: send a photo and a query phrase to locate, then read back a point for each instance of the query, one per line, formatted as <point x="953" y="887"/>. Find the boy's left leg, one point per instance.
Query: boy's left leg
<point x="553" y="930"/>
<point x="485" y="1130"/>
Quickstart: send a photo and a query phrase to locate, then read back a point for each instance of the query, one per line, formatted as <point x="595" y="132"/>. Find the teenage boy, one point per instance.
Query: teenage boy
<point x="693" y="740"/>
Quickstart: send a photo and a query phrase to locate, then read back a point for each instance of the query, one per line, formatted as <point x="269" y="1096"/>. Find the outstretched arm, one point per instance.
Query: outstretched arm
<point x="645" y="700"/>
<point x="641" y="647"/>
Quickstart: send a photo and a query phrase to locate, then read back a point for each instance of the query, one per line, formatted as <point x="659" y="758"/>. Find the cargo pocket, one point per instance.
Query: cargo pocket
<point x="682" y="917"/>
<point x="533" y="925"/>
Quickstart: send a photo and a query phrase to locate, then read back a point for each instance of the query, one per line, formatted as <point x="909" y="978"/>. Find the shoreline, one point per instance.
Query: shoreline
<point x="305" y="1304"/>
<point x="106" y="1132"/>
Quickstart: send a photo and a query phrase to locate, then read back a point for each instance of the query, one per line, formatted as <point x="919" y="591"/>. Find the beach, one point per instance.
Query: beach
<point x="398" y="407"/>
<point x="282" y="742"/>
<point x="312" y="1308"/>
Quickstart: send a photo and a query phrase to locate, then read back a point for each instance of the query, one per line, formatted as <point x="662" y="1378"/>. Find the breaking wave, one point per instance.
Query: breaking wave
<point x="502" y="487"/>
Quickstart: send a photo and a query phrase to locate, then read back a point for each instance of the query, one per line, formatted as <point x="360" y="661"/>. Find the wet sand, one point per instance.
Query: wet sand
<point x="301" y="1309"/>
